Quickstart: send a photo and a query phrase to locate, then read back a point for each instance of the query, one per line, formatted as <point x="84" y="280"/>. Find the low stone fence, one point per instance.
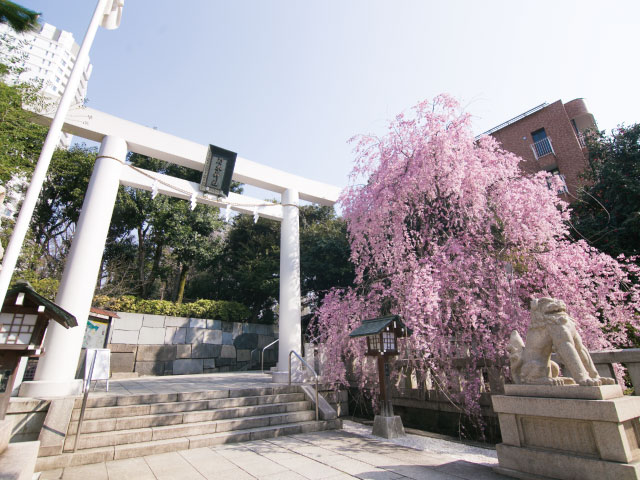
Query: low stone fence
<point x="628" y="357"/>
<point x="164" y="345"/>
<point x="423" y="405"/>
<point x="493" y="375"/>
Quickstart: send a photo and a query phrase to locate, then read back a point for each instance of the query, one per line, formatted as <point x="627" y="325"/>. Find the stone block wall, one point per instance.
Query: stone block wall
<point x="28" y="416"/>
<point x="164" y="345"/>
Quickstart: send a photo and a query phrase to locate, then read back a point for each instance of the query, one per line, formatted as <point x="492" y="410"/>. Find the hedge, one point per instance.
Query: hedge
<point x="212" y="309"/>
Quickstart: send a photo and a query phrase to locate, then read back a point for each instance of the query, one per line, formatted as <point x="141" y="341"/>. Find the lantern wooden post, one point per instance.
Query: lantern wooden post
<point x="384" y="370"/>
<point x="382" y="341"/>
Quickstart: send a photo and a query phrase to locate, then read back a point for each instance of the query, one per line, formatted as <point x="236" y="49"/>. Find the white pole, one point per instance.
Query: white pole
<point x="53" y="137"/>
<point x="289" y="329"/>
<point x="57" y="368"/>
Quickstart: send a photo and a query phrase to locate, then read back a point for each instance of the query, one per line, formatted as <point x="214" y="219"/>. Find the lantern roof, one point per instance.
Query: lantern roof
<point x="33" y="298"/>
<point x="376" y="325"/>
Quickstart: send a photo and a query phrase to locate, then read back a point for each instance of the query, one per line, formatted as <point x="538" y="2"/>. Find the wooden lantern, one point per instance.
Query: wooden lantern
<point x="382" y="341"/>
<point x="23" y="320"/>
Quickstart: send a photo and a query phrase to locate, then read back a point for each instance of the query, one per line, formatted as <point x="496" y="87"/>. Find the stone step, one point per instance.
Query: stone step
<point x="120" y="400"/>
<point x="137" y="435"/>
<point x="156" y="420"/>
<point x="139" y="449"/>
<point x="180" y="406"/>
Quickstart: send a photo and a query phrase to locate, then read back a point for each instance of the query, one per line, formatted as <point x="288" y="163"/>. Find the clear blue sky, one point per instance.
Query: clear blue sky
<point x="287" y="82"/>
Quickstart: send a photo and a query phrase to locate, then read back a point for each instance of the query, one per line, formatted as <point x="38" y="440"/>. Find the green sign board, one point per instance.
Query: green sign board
<point x="218" y="170"/>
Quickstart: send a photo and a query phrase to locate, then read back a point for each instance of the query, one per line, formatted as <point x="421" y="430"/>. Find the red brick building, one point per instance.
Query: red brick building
<point x="550" y="137"/>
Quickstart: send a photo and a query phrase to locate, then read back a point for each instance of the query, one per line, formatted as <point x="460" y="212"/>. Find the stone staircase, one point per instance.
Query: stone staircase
<point x="118" y="427"/>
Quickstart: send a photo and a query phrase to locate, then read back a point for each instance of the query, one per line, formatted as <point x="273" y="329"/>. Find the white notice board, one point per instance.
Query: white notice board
<point x="101" y="367"/>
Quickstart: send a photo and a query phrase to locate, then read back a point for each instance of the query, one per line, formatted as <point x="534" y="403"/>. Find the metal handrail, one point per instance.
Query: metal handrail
<point x="262" y="354"/>
<point x="581" y="140"/>
<point x="87" y="387"/>
<point x="542" y="147"/>
<point x="304" y="362"/>
<point x="513" y="120"/>
<point x="251" y="358"/>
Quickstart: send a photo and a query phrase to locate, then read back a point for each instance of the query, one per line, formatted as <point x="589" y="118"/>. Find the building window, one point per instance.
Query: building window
<point x="575" y="127"/>
<point x="541" y="145"/>
<point x="557" y="181"/>
<point x="579" y="135"/>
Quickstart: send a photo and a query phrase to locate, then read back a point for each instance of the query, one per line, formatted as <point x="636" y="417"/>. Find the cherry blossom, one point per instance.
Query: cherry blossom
<point x="447" y="232"/>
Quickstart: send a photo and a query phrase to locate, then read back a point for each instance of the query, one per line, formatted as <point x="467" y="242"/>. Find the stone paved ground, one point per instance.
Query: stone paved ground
<point x="329" y="455"/>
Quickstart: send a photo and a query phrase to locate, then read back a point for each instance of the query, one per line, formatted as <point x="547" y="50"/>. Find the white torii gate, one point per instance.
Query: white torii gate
<point x="56" y="371"/>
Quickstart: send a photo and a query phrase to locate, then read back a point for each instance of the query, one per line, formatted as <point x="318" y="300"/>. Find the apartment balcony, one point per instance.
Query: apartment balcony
<point x="581" y="140"/>
<point x="542" y="147"/>
<point x="557" y="182"/>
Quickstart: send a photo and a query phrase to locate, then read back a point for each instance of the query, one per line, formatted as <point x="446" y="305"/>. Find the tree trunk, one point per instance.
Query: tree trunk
<point x="183" y="282"/>
<point x="141" y="282"/>
<point x="157" y="257"/>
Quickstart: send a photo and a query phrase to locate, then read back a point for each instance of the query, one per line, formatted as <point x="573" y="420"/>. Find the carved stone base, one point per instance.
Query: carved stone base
<point x="568" y="438"/>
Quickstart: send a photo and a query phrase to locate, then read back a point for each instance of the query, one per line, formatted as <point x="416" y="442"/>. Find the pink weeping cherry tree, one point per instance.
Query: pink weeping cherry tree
<point x="447" y="232"/>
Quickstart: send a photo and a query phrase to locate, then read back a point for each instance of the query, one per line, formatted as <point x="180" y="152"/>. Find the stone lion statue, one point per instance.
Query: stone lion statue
<point x="551" y="329"/>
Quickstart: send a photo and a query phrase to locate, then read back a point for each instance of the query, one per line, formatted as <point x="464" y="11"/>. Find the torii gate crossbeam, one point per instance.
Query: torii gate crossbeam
<point x="94" y="125"/>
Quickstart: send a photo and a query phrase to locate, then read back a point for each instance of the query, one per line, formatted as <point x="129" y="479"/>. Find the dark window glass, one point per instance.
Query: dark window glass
<point x="539" y="135"/>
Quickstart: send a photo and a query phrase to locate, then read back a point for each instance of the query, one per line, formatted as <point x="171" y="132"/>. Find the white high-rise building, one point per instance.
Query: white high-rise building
<point x="48" y="56"/>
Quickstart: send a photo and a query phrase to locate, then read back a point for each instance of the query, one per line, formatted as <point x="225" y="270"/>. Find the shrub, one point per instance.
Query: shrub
<point x="215" y="309"/>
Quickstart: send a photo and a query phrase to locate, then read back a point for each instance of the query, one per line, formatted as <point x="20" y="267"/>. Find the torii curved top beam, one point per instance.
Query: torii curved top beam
<point x="94" y="125"/>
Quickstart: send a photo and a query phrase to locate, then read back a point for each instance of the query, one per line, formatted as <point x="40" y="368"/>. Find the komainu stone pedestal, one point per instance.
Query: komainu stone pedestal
<point x="568" y="432"/>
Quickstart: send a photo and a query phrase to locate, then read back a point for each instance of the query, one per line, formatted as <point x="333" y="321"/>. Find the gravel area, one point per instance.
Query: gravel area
<point x="484" y="456"/>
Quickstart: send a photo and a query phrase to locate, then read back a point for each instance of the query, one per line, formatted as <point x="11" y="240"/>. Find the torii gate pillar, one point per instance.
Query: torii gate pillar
<point x="56" y="371"/>
<point x="290" y="311"/>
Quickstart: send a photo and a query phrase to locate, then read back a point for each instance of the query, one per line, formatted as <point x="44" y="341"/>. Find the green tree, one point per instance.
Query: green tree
<point x="192" y="234"/>
<point x="20" y="138"/>
<point x="59" y="205"/>
<point x="324" y="253"/>
<point x="21" y="19"/>
<point x="607" y="214"/>
<point x="152" y="243"/>
<point x="167" y="235"/>
<point x="248" y="267"/>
